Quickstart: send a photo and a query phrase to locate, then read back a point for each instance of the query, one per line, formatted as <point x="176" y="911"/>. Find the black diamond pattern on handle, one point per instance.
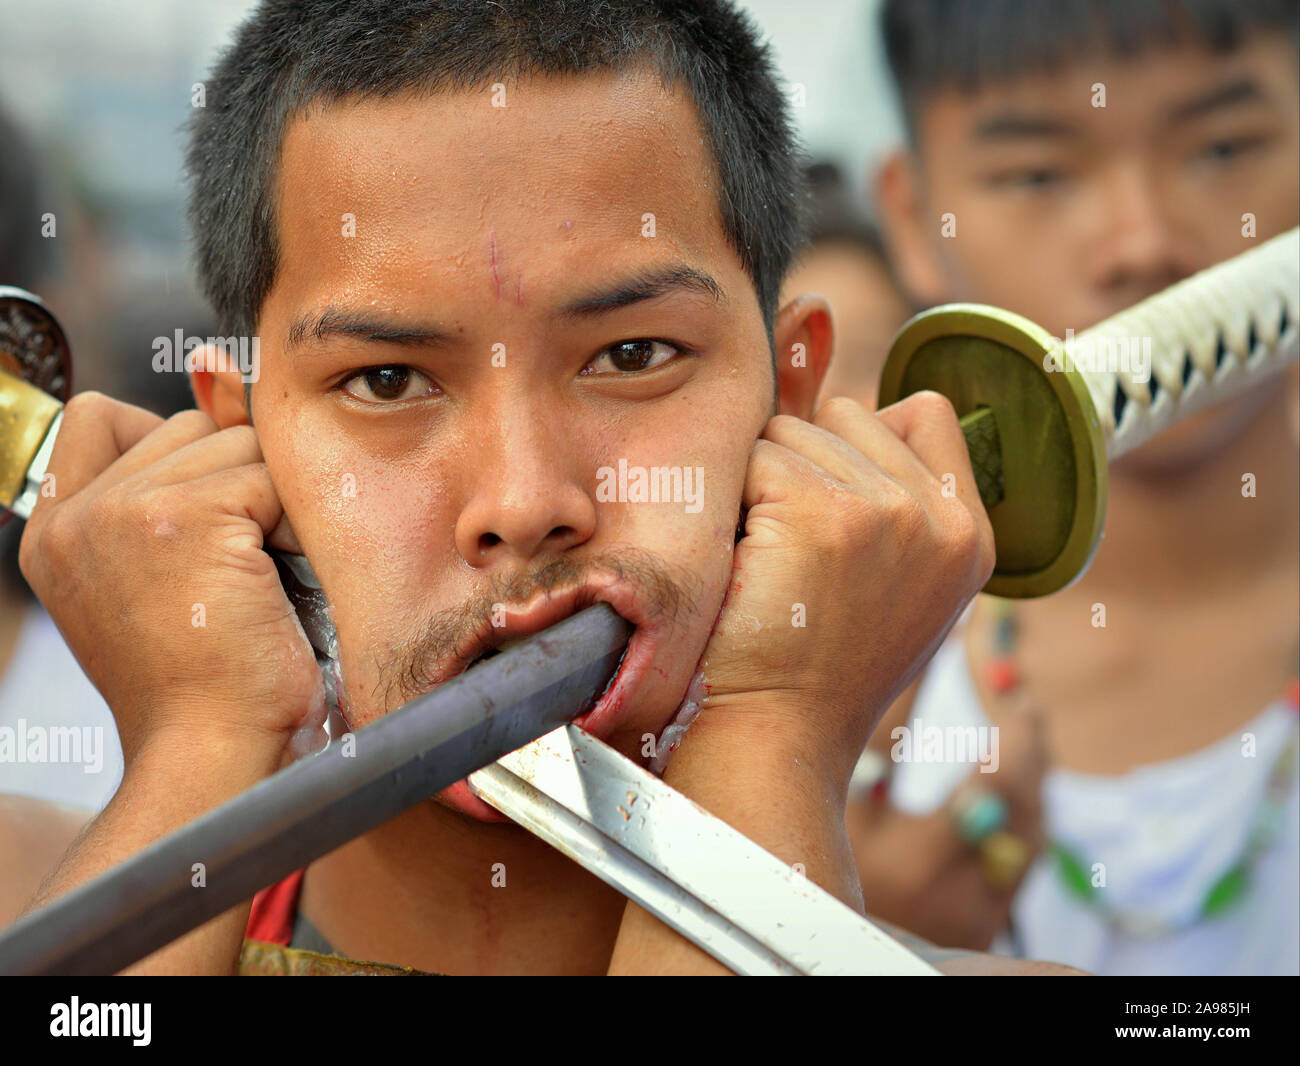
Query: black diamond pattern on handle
<point x="1121" y="401"/>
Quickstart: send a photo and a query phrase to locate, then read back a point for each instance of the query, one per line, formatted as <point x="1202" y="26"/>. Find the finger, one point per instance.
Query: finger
<point x="95" y="432"/>
<point x="249" y="491"/>
<point x="207" y="454"/>
<point x="241" y="492"/>
<point x="283" y="538"/>
<point x="833" y="455"/>
<point x="871" y="435"/>
<point x="162" y="439"/>
<point x="927" y="424"/>
<point x="778" y="474"/>
<point x="179" y="431"/>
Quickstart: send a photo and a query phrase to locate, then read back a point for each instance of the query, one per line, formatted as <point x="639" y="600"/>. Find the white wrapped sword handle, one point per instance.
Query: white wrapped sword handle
<point x="1210" y="337"/>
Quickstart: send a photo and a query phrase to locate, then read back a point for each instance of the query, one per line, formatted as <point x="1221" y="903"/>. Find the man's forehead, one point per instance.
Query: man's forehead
<point x="581" y="143"/>
<point x="587" y="173"/>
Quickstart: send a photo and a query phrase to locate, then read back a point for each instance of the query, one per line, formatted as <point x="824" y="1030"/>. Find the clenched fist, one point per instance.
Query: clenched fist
<point x="855" y="563"/>
<point x="149" y="556"/>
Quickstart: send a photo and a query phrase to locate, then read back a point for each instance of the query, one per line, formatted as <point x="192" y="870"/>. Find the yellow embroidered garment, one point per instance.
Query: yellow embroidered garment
<point x="260" y="959"/>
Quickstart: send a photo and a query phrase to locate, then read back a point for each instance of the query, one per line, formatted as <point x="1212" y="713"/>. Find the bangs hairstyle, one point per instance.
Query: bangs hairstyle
<point x="965" y="44"/>
<point x="291" y="53"/>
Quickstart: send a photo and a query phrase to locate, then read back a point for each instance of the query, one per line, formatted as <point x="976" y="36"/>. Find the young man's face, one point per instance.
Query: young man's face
<point x="551" y="291"/>
<point x="1066" y="212"/>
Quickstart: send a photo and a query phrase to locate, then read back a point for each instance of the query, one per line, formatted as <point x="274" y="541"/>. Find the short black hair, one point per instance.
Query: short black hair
<point x="933" y="45"/>
<point x="289" y="53"/>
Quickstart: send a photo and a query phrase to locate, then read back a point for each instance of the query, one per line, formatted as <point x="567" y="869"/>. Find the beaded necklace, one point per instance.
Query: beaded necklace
<point x="1003" y="677"/>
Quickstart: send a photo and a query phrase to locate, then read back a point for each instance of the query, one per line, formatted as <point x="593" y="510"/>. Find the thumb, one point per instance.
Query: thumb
<point x="283" y="538"/>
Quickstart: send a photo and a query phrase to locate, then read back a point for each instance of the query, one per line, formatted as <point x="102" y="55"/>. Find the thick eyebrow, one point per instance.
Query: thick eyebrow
<point x="1241" y="91"/>
<point x="336" y="321"/>
<point x="1018" y="125"/>
<point x="646" y="285"/>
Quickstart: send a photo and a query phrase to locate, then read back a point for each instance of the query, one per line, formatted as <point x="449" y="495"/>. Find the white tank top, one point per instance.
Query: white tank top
<point x="44" y="697"/>
<point x="1166" y="833"/>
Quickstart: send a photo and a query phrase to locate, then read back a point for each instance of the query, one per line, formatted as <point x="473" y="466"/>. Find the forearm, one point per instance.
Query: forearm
<point x="171" y="782"/>
<point x="768" y="792"/>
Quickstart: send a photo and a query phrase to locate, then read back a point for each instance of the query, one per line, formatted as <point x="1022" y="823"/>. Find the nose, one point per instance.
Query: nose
<point x="528" y="499"/>
<point x="1138" y="254"/>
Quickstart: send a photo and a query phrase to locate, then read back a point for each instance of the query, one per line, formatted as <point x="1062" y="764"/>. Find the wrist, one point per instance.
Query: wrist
<point x="761" y="780"/>
<point x="771" y="733"/>
<point x="229" y="759"/>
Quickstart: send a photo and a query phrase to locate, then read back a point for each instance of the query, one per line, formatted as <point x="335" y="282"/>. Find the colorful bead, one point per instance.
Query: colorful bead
<point x="980" y="814"/>
<point x="1227" y="890"/>
<point x="1074" y="875"/>
<point x="1005" y="857"/>
<point x="1004" y="634"/>
<point x="1003" y="675"/>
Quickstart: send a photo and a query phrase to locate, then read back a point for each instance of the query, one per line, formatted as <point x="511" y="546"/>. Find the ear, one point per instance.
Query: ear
<point x="218" y="388"/>
<point x="803" y="336"/>
<point x="907" y="228"/>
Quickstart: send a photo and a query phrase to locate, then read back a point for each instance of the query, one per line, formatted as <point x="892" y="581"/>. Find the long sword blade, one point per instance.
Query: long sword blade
<point x="716" y="887"/>
<point x="320" y="803"/>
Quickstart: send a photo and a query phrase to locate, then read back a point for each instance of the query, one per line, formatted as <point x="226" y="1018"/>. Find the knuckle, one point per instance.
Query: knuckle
<point x="193" y="421"/>
<point x="243" y="435"/>
<point x="155" y="513"/>
<point x="27" y="552"/>
<point x="892" y="512"/>
<point x="848" y="521"/>
<point x="837" y="410"/>
<point x="988" y="551"/>
<point x="907" y="514"/>
<point x="780" y="425"/>
<point x="934" y="404"/>
<point x="55" y="544"/>
<point x="88" y="406"/>
<point x="963" y="541"/>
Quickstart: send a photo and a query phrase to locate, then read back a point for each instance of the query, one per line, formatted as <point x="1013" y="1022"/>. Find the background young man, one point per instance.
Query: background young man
<point x="1089" y="159"/>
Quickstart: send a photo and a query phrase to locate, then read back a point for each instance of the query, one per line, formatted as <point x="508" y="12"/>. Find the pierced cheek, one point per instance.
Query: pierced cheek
<point x="671" y="737"/>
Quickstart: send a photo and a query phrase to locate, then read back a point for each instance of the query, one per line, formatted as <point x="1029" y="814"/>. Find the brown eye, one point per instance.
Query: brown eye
<point x="630" y="357"/>
<point x="388" y="384"/>
<point x="634" y="355"/>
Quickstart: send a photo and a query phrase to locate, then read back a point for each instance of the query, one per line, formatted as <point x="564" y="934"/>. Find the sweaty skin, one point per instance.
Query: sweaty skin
<point x="464" y="489"/>
<point x="437" y="452"/>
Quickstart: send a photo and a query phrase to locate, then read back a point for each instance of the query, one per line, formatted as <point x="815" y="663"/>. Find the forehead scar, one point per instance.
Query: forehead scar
<point x="519" y="290"/>
<point x="492" y="255"/>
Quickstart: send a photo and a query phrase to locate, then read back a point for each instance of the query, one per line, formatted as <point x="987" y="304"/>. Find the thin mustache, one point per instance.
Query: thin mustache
<point x="413" y="668"/>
